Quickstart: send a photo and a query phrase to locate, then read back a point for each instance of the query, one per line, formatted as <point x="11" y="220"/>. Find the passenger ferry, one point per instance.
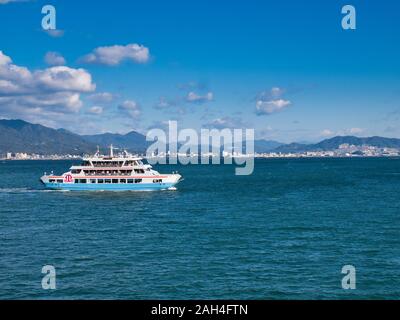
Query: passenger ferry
<point x="123" y="172"/>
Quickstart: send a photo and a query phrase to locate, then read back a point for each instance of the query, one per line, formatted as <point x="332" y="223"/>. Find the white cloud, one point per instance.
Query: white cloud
<point x="54" y="59"/>
<point x="102" y="97"/>
<point x="343" y="132"/>
<point x="4" y="60"/>
<point x="132" y="108"/>
<point x="225" y="122"/>
<point x="272" y="106"/>
<point x="271" y="94"/>
<point x="276" y="92"/>
<point x="60" y="78"/>
<point x="96" y="110"/>
<point x="63" y="78"/>
<point x="327" y="133"/>
<point x="60" y="101"/>
<point x="114" y="55"/>
<point x="35" y="95"/>
<point x="271" y="101"/>
<point x="356" y="131"/>
<point x="196" y="98"/>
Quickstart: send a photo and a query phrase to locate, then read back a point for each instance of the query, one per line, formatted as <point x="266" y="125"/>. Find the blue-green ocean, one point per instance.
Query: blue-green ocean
<point x="284" y="232"/>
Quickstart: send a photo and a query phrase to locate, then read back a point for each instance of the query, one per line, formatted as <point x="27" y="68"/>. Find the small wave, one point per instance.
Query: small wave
<point x="15" y="190"/>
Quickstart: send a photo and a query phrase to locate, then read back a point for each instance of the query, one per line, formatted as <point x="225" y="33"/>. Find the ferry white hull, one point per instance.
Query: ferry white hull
<point x="168" y="183"/>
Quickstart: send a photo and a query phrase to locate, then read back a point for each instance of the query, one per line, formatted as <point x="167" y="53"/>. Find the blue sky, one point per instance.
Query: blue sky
<point x="285" y="68"/>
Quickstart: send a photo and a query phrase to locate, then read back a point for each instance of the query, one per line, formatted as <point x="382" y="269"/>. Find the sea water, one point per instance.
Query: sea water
<point x="284" y="232"/>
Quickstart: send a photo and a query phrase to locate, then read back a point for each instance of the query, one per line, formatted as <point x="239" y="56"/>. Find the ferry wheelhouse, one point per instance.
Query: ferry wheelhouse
<point x="122" y="172"/>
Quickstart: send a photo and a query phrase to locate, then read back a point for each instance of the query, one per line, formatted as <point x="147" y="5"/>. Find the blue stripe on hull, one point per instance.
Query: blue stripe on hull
<point x="109" y="186"/>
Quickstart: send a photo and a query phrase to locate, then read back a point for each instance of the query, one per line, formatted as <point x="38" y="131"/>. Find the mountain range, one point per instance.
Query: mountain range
<point x="22" y="136"/>
<point x="335" y="142"/>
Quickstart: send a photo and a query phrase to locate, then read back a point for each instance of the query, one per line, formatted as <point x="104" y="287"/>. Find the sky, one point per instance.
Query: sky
<point x="285" y="68"/>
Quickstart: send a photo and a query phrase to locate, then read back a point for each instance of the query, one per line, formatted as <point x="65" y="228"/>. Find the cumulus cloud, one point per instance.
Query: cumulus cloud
<point x="54" y="59"/>
<point x="64" y="79"/>
<point x="276" y="92"/>
<point x="271" y="101"/>
<point x="102" y="97"/>
<point x="356" y="131"/>
<point x="193" y="97"/>
<point x="48" y="92"/>
<point x="225" y="122"/>
<point x="327" y="133"/>
<point x="271" y="94"/>
<point x="96" y="110"/>
<point x="272" y="106"/>
<point x="343" y="132"/>
<point x="114" y="55"/>
<point x="131" y="108"/>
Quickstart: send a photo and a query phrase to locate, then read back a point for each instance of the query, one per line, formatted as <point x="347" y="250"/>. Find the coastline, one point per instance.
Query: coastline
<point x="283" y="156"/>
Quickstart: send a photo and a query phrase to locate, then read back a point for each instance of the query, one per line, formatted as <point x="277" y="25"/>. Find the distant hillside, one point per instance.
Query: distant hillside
<point x="22" y="136"/>
<point x="334" y="143"/>
<point x="262" y="146"/>
<point x="292" y="147"/>
<point x="132" y="141"/>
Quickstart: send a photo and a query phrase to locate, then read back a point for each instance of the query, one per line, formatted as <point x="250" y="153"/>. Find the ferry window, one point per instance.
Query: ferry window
<point x="75" y="171"/>
<point x="60" y="181"/>
<point x="122" y="181"/>
<point x="114" y="180"/>
<point x="100" y="181"/>
<point x="51" y="180"/>
<point x="139" y="171"/>
<point x="92" y="180"/>
<point x="157" y="180"/>
<point x="130" y="180"/>
<point x="83" y="181"/>
<point x="76" y="181"/>
<point x="107" y="181"/>
<point x="138" y="180"/>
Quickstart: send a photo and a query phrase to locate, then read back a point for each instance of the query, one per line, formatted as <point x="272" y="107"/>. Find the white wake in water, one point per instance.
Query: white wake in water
<point x="22" y="190"/>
